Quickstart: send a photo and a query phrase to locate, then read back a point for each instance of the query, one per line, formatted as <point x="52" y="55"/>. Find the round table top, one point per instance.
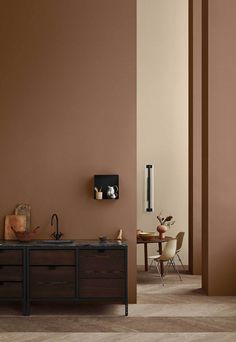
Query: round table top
<point x="154" y="240"/>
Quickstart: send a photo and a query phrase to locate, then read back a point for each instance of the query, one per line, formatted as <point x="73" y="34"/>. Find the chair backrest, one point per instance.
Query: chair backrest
<point x="179" y="238"/>
<point x="169" y="250"/>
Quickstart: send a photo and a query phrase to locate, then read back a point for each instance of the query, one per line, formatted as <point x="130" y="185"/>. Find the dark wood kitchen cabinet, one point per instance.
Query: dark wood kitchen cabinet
<point x="82" y="272"/>
<point x="52" y="274"/>
<point x="12" y="279"/>
<point x="102" y="273"/>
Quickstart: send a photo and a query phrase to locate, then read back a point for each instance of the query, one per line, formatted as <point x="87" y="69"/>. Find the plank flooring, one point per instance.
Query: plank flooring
<point x="179" y="311"/>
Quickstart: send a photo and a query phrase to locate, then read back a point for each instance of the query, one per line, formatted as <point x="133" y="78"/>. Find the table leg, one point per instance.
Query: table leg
<point x="146" y="256"/>
<point x="161" y="262"/>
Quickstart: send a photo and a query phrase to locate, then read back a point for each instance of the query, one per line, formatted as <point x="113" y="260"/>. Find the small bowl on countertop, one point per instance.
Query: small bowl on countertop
<point x="102" y="238"/>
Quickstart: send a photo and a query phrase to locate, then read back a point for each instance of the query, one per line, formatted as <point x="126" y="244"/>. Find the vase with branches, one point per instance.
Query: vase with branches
<point x="165" y="223"/>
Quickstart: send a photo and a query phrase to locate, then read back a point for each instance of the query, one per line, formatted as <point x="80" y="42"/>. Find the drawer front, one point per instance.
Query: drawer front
<point x="11" y="273"/>
<point x="101" y="288"/>
<point x="101" y="263"/>
<point x="52" y="257"/>
<point x="10" y="290"/>
<point x="51" y="282"/>
<point x="101" y="274"/>
<point x="11" y="257"/>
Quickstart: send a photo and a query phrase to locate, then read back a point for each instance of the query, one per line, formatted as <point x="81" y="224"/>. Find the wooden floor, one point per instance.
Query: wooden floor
<point x="179" y="311"/>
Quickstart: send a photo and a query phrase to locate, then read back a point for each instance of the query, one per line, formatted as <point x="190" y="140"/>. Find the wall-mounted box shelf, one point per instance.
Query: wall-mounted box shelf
<point x="102" y="182"/>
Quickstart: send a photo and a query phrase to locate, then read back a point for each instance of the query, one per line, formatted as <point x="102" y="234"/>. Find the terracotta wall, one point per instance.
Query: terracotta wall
<point x="219" y="141"/>
<point x="68" y="111"/>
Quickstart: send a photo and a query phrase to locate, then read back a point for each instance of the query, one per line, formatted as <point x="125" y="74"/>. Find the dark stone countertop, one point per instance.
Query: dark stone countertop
<point x="76" y="243"/>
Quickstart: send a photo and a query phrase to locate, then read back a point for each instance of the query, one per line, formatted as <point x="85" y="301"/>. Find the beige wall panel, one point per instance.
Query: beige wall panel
<point x="162" y="117"/>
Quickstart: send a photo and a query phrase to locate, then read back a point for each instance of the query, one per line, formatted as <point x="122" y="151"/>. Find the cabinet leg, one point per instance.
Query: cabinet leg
<point x="126" y="310"/>
<point x="26" y="309"/>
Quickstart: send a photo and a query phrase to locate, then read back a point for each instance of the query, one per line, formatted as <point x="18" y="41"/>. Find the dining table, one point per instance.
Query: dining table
<point x="159" y="242"/>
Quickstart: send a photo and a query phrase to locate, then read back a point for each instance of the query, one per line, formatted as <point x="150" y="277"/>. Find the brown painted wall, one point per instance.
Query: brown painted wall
<point x="205" y="263"/>
<point x="68" y="111"/>
<point x="221" y="148"/>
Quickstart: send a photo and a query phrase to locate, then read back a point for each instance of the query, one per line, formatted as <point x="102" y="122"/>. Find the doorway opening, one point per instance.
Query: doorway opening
<point x="163" y="135"/>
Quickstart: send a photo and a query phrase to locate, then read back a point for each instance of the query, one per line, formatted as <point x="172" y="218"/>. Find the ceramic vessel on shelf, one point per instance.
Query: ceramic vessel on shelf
<point x="162" y="229"/>
<point x="99" y="195"/>
<point x="112" y="191"/>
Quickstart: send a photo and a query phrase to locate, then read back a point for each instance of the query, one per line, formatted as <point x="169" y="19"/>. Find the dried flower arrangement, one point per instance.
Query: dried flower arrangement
<point x="166" y="221"/>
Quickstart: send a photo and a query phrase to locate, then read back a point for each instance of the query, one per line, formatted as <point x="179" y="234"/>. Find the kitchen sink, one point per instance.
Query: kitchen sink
<point x="55" y="242"/>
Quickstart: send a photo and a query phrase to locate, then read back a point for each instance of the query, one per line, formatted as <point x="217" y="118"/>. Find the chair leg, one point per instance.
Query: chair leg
<point x="167" y="267"/>
<point x="158" y="270"/>
<point x="150" y="265"/>
<point x="180" y="261"/>
<point x="174" y="267"/>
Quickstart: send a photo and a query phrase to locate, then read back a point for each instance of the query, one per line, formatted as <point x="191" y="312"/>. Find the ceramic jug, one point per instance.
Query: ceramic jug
<point x="112" y="191"/>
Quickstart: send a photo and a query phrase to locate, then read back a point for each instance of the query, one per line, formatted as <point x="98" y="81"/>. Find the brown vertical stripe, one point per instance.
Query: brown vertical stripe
<point x="205" y="145"/>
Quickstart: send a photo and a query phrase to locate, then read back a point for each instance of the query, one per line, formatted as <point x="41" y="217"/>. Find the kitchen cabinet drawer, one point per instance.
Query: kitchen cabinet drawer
<point x="104" y="261"/>
<point x="104" y="274"/>
<point x="52" y="257"/>
<point x="101" y="288"/>
<point x="11" y="273"/>
<point x="10" y="290"/>
<point x="10" y="257"/>
<point x="52" y="281"/>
